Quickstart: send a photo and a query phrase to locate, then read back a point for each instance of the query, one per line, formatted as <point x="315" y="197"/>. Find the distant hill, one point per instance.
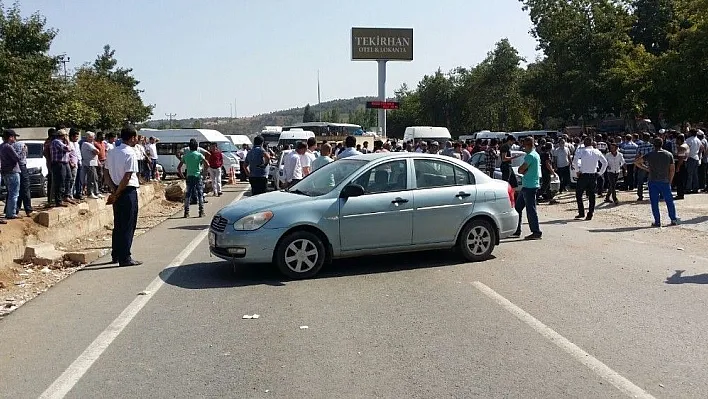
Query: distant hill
<point x="254" y="124"/>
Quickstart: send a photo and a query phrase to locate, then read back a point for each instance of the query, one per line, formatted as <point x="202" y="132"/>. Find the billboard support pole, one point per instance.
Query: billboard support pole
<point x="382" y="95"/>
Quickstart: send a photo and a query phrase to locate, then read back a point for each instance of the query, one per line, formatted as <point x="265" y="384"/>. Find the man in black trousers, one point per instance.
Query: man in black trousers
<point x="121" y="173"/>
<point x="586" y="162"/>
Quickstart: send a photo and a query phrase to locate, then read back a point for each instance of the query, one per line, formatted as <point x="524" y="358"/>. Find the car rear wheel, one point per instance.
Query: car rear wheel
<point x="300" y="255"/>
<point x="477" y="240"/>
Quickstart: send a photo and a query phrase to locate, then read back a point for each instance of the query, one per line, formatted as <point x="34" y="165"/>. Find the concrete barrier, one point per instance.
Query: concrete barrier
<point x="59" y="225"/>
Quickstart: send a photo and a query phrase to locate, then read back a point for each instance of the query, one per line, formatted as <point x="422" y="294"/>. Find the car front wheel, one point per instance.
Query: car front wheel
<point x="300" y="255"/>
<point x="477" y="240"/>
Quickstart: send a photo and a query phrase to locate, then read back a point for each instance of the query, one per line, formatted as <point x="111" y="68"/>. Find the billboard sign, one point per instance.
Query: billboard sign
<point x="383" y="104"/>
<point x="371" y="44"/>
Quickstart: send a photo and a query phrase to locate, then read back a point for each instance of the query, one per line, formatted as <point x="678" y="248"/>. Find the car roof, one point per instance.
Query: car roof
<point x="397" y="155"/>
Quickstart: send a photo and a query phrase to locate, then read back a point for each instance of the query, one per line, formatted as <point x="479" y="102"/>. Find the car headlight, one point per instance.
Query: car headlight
<point x="253" y="222"/>
<point x="33" y="171"/>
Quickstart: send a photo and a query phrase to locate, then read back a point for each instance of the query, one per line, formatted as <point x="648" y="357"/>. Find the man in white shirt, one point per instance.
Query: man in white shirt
<point x="308" y="157"/>
<point x="585" y="163"/>
<point x="292" y="167"/>
<point x="151" y="149"/>
<point x="693" y="161"/>
<point x="121" y="173"/>
<point x="89" y="163"/>
<point x="615" y="163"/>
<point x="350" y="150"/>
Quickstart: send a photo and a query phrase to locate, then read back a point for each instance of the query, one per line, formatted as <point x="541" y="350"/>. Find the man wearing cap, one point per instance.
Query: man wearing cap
<point x="59" y="155"/>
<point x="10" y="169"/>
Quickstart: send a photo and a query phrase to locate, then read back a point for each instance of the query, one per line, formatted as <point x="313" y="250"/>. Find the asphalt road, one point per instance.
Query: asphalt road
<point x="585" y="313"/>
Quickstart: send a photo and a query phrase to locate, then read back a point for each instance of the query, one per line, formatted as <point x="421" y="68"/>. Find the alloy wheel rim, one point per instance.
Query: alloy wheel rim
<point x="479" y="240"/>
<point x="301" y="255"/>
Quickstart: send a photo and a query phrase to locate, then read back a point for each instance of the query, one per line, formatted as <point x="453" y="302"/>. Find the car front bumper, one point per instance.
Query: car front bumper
<point x="244" y="246"/>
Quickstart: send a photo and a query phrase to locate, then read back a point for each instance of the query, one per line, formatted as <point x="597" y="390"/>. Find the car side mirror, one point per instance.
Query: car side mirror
<point x="352" y="190"/>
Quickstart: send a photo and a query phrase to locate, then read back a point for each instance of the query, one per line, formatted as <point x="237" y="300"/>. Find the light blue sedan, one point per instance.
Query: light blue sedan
<point x="364" y="205"/>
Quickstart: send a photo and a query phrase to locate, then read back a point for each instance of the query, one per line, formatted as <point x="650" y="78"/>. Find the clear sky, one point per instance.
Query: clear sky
<point x="197" y="57"/>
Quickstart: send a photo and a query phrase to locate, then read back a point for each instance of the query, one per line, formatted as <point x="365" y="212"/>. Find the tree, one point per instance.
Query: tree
<point x="308" y="115"/>
<point x="28" y="80"/>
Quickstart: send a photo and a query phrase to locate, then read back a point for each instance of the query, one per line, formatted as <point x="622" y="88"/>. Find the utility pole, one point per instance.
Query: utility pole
<point x="64" y="59"/>
<point x="169" y="117"/>
<point x="235" y="112"/>
<point x="231" y="110"/>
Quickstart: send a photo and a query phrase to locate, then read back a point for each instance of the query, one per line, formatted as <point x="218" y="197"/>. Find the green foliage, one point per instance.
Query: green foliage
<point x="308" y="115"/>
<point x="34" y="93"/>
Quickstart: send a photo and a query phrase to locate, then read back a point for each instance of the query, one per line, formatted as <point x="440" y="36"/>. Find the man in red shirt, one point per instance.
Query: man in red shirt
<point x="216" y="161"/>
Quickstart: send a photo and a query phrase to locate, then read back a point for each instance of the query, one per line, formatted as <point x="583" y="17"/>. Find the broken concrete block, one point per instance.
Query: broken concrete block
<point x="42" y="254"/>
<point x="82" y="258"/>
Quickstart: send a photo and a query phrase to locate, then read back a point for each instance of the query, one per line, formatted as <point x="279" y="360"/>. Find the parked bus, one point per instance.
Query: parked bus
<point x="328" y="128"/>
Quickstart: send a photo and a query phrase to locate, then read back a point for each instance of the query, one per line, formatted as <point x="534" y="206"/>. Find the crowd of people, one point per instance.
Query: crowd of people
<point x="76" y="167"/>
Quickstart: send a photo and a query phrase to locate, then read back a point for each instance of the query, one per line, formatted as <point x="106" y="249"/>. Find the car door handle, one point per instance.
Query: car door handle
<point x="399" y="201"/>
<point x="462" y="195"/>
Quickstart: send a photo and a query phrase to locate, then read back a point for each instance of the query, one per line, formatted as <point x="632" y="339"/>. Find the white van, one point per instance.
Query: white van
<point x="239" y="140"/>
<point x="427" y="133"/>
<point x="487" y="135"/>
<point x="174" y="141"/>
<point x="291" y="137"/>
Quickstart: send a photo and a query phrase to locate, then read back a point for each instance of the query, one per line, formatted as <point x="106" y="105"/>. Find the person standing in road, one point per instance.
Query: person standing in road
<point x="46" y="153"/>
<point x="703" y="167"/>
<point x="629" y="151"/>
<point x="324" y="158"/>
<point x="585" y="162"/>
<point x="693" y="161"/>
<point x="292" y="167"/>
<point x="216" y="162"/>
<point x="615" y="164"/>
<point x="257" y="162"/>
<point x="661" y="168"/>
<point x="309" y="156"/>
<point x="24" y="200"/>
<point x="350" y="150"/>
<point x="89" y="164"/>
<point x="643" y="148"/>
<point x="76" y="187"/>
<point x="531" y="171"/>
<point x="10" y="170"/>
<point x="121" y="174"/>
<point x="491" y="158"/>
<point x="562" y="156"/>
<point x="151" y="149"/>
<point x="60" y="170"/>
<point x="241" y="155"/>
<point x="682" y="150"/>
<point x="194" y="161"/>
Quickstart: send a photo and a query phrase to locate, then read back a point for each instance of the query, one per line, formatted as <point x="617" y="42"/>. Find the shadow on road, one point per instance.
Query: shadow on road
<point x="620" y="229"/>
<point x="677" y="278"/>
<point x="223" y="275"/>
<point x="696" y="220"/>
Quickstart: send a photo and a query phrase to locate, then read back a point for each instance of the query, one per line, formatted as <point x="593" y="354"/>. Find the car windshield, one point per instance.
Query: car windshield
<point x="225" y="146"/>
<point x="34" y="150"/>
<point x="326" y="178"/>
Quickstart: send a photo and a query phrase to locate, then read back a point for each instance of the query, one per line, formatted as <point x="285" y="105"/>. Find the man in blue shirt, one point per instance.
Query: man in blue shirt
<point x="256" y="164"/>
<point x="531" y="171"/>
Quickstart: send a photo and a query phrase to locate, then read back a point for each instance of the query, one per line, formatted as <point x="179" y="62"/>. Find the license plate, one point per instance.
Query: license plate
<point x="212" y="239"/>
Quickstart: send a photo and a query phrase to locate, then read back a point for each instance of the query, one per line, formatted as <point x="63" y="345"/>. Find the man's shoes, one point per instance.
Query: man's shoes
<point x="579" y="216"/>
<point x="616" y="202"/>
<point x="131" y="262"/>
<point x="201" y="214"/>
<point x="93" y="196"/>
<point x="607" y="200"/>
<point x="516" y="234"/>
<point x="63" y="204"/>
<point x="675" y="222"/>
<point x="588" y="217"/>
<point x="186" y="215"/>
<point x="656" y="225"/>
<point x="532" y="237"/>
<point x="114" y="260"/>
<point x="640" y="199"/>
<point x="678" y="198"/>
<point x="205" y="201"/>
<point x="219" y="195"/>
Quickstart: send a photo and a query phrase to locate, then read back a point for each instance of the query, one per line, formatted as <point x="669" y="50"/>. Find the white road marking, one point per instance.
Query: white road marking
<point x="68" y="379"/>
<point x="601" y="369"/>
